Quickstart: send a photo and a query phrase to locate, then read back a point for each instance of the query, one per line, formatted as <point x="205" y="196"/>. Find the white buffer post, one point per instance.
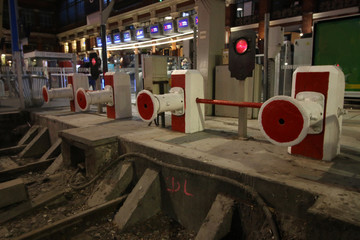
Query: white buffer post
<point x="149" y="105"/>
<point x="116" y="95"/>
<point x="187" y="116"/>
<point x="309" y="121"/>
<point x="75" y="81"/>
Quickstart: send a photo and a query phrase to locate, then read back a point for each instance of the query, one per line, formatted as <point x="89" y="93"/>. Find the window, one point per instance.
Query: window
<point x="245" y="8"/>
<point x="83" y="44"/>
<point x="73" y="46"/>
<point x="27" y="16"/>
<point x="72" y="11"/>
<point x="66" y="48"/>
<point x="46" y="20"/>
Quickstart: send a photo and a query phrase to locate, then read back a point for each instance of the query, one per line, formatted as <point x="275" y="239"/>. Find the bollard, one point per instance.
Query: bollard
<point x="186" y="115"/>
<point x="309" y="121"/>
<point x="116" y="95"/>
<point x="75" y="81"/>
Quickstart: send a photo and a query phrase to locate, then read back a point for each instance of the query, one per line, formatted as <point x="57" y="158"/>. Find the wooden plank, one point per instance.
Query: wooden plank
<point x="12" y="173"/>
<point x="31" y="133"/>
<point x="15" y="211"/>
<point x="28" y="206"/>
<point x="11" y="150"/>
<point x="61" y="225"/>
<point x="53" y="151"/>
<point x="38" y="146"/>
<point x="56" y="165"/>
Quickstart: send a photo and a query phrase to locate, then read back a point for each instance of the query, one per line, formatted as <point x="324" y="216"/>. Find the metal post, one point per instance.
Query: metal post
<point x="139" y="85"/>
<point x="16" y="50"/>
<point x="194" y="65"/>
<point x="103" y="53"/>
<point x="103" y="50"/>
<point x="266" y="61"/>
<point x="242" y="117"/>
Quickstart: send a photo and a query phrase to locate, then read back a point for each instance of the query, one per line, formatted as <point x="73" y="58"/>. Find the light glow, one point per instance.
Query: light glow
<point x="151" y="43"/>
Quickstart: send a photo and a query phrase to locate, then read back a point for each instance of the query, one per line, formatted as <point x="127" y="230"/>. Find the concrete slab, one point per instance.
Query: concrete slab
<point x="142" y="203"/>
<point x="113" y="185"/>
<point x="291" y="185"/>
<point x="96" y="145"/>
<point x="12" y="191"/>
<point x="217" y="223"/>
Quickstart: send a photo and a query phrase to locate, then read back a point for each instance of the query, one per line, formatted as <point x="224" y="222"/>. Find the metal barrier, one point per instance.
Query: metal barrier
<point x="32" y="90"/>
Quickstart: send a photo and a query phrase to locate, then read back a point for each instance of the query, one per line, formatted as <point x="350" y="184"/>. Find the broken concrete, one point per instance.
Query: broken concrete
<point x="217" y="223"/>
<point x="13" y="191"/>
<point x="38" y="146"/>
<point x="113" y="186"/>
<point x="142" y="203"/>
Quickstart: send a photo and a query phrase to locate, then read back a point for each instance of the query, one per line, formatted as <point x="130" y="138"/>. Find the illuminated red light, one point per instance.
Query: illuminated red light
<point x="241" y="46"/>
<point x="93" y="61"/>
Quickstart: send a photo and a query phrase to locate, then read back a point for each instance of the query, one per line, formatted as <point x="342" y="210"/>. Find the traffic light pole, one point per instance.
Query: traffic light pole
<point x="103" y="50"/>
<point x="266" y="55"/>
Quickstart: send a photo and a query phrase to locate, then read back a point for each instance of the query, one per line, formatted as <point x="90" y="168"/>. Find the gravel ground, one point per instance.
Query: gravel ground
<point x="159" y="227"/>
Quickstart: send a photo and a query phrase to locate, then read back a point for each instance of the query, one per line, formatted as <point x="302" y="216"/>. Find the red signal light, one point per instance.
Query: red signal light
<point x="241" y="46"/>
<point x="93" y="61"/>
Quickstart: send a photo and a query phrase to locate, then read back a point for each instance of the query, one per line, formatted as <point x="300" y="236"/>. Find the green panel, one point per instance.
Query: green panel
<point x="337" y="42"/>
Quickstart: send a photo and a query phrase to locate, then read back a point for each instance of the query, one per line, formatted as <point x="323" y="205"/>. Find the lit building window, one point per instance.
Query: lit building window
<point x="74" y="45"/>
<point x="83" y="44"/>
<point x="66" y="47"/>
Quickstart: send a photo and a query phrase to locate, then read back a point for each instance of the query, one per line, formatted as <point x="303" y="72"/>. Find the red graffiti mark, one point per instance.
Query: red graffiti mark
<point x="175" y="187"/>
<point x="186" y="193"/>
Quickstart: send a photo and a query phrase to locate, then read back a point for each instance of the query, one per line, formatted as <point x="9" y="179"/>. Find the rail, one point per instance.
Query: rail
<point x="229" y="103"/>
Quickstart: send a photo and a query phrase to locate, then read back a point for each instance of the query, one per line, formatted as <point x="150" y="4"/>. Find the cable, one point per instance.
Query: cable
<point x="254" y="194"/>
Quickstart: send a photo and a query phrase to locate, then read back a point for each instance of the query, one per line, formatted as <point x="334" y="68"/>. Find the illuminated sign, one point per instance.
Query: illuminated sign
<point x="98" y="41"/>
<point x="127" y="36"/>
<point x="154" y="29"/>
<point x="196" y="20"/>
<point x="108" y="40"/>
<point x="168" y="26"/>
<point x="183" y="23"/>
<point x="139" y="33"/>
<point x="117" y="38"/>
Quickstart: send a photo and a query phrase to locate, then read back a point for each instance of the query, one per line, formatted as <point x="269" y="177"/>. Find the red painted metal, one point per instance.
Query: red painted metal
<point x="282" y="121"/>
<point x="229" y="103"/>
<point x="45" y="95"/>
<point x="81" y="100"/>
<point x="145" y="106"/>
